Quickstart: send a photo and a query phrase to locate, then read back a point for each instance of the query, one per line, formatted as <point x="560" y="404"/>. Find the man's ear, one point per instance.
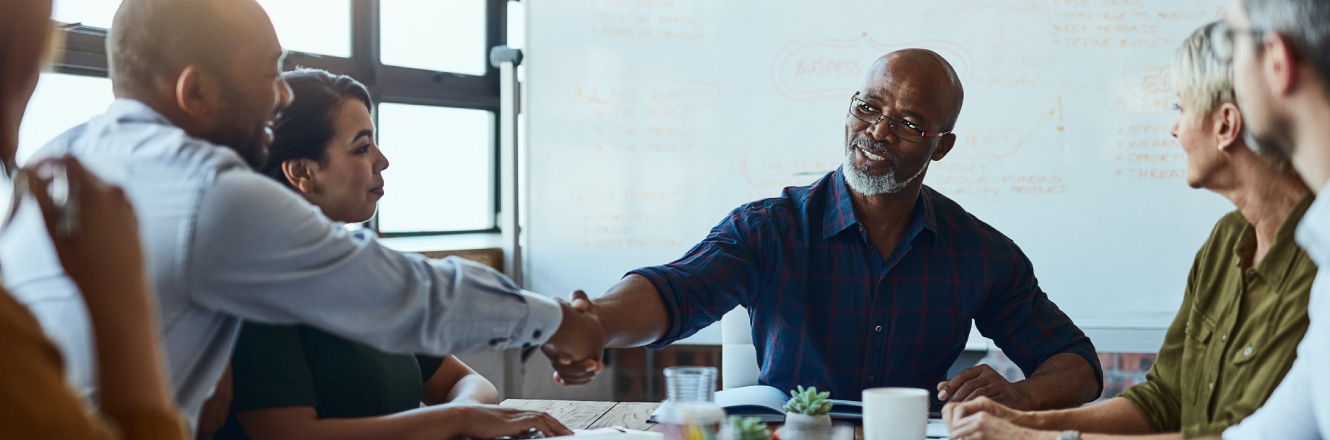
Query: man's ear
<point x="944" y="146"/>
<point x="1283" y="66"/>
<point x="1227" y="124"/>
<point x="197" y="92"/>
<point x="300" y="173"/>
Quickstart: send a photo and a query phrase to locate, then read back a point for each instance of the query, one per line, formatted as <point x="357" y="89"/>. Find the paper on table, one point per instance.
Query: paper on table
<point x="936" y="429"/>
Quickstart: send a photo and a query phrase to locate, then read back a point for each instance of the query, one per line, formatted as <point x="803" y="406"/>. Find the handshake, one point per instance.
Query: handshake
<point x="576" y="348"/>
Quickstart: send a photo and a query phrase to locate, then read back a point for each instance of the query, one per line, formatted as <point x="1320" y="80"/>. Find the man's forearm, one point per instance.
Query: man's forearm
<point x="632" y="313"/>
<point x="1064" y="380"/>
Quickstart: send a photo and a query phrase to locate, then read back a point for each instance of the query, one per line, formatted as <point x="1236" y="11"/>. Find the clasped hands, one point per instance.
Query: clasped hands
<point x="576" y="348"/>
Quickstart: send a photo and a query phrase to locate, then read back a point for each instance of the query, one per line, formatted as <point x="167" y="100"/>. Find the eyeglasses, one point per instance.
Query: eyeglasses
<point x="899" y="127"/>
<point x="1222" y="37"/>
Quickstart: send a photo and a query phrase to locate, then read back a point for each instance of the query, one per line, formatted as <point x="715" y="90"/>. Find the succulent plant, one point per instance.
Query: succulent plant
<point x="808" y="401"/>
<point x="749" y="428"/>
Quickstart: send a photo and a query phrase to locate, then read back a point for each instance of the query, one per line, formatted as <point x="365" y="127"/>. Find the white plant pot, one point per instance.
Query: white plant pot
<point x="800" y="421"/>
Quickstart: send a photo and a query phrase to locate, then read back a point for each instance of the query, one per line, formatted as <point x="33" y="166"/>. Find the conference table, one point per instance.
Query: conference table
<point x="590" y="415"/>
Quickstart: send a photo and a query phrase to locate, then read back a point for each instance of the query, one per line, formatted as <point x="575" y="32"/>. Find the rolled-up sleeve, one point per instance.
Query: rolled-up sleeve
<point x="261" y="253"/>
<point x="715" y="276"/>
<point x="1027" y="326"/>
<point x="1159" y="398"/>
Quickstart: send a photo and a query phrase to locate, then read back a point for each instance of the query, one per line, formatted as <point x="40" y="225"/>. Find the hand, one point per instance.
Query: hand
<point x="986" y="426"/>
<point x="490" y="421"/>
<point x="982" y="380"/>
<point x="217" y="408"/>
<point x="107" y="227"/>
<point x="575" y="349"/>
<point x="956" y="411"/>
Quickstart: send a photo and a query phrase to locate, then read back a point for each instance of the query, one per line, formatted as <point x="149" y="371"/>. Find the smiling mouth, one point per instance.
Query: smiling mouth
<point x="871" y="155"/>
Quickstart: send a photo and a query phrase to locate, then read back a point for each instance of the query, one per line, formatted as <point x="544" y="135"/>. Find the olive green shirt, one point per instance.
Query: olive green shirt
<point x="1236" y="334"/>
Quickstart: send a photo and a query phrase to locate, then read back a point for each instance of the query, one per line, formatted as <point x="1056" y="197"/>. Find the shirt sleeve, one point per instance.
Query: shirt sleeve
<point x="428" y="366"/>
<point x="261" y="253"/>
<point x="269" y="369"/>
<point x="1159" y="398"/>
<point x="36" y="402"/>
<point x="715" y="276"/>
<point x="1026" y="325"/>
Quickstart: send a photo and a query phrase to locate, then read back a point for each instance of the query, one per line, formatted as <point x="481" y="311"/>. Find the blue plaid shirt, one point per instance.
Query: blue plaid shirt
<point x="828" y="311"/>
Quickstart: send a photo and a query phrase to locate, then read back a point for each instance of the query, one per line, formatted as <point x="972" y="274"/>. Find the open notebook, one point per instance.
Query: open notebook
<point x="768" y="403"/>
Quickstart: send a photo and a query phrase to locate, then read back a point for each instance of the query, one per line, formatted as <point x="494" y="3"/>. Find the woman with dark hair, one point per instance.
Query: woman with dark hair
<point x="293" y="382"/>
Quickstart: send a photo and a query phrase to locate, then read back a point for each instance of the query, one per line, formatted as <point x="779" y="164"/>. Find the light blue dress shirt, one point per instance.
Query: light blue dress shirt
<point x="224" y="243"/>
<point x="1299" y="409"/>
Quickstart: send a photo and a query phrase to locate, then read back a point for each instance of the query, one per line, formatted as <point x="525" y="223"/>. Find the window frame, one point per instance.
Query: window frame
<point x="84" y="53"/>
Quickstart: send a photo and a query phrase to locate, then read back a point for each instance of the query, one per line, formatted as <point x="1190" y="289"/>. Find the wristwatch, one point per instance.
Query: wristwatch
<point x="1070" y="435"/>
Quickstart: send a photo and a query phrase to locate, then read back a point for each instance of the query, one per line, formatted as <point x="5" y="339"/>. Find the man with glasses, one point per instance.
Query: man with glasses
<point x="867" y="278"/>
<point x="1281" y="72"/>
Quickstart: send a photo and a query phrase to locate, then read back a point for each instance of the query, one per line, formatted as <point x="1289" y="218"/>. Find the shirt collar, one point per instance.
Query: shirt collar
<point x="1313" y="232"/>
<point x="1283" y="252"/>
<point x="838" y="215"/>
<point x="130" y="110"/>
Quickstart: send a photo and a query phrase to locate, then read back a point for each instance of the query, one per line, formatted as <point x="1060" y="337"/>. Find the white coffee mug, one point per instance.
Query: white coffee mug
<point x="895" y="413"/>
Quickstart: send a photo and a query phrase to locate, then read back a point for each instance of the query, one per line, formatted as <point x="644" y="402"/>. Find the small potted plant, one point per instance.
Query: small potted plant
<point x="748" y="428"/>
<point x="808" y="408"/>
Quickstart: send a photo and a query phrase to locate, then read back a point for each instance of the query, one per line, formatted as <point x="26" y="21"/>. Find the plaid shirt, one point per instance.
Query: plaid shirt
<point x="828" y="311"/>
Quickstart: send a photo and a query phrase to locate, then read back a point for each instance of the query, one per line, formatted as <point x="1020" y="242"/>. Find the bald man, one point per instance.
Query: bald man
<point x="867" y="278"/>
<point x="197" y="85"/>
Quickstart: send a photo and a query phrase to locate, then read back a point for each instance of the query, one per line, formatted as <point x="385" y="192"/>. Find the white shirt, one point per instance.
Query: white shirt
<point x="224" y="243"/>
<point x="1299" y="409"/>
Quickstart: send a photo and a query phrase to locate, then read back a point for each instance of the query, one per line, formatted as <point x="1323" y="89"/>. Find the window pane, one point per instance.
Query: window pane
<point x="447" y="35"/>
<point x="59" y="103"/>
<point x="312" y="26"/>
<point x="94" y="13"/>
<point x="441" y="172"/>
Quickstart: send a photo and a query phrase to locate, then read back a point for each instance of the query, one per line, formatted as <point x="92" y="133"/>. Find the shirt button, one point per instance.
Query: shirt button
<point x="872" y="378"/>
<point x="878" y="329"/>
<point x="497" y="341"/>
<point x="1246" y="351"/>
<point x="1223" y="337"/>
<point x="1251" y="272"/>
<point x="1212" y="386"/>
<point x="535" y="334"/>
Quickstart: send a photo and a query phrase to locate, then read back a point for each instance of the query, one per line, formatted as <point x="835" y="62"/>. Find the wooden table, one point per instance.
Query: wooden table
<point x="590" y="415"/>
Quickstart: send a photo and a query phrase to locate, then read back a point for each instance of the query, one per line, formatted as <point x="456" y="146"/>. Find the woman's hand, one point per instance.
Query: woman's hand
<point x="490" y="421"/>
<point x="102" y="252"/>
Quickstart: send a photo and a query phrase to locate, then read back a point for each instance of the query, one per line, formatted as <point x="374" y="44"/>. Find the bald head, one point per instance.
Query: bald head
<point x="152" y="41"/>
<point x="925" y="72"/>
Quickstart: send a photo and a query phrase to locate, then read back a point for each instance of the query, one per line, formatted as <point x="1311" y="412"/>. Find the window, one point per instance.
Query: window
<point x="59" y="103"/>
<point x="92" y="13"/>
<point x="444" y="35"/>
<point x="441" y="169"/>
<point x="426" y="63"/>
<point x="312" y="26"/>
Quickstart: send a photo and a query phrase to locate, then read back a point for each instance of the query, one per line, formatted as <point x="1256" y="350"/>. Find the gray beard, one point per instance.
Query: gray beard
<point x="863" y="183"/>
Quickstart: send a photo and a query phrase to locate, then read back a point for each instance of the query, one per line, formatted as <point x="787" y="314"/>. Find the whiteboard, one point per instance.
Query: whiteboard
<point x="649" y="120"/>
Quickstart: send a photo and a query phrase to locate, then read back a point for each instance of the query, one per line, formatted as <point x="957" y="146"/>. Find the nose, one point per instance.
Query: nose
<point x="881" y="131"/>
<point x="1174" y="129"/>
<point x="382" y="162"/>
<point x="283" y="93"/>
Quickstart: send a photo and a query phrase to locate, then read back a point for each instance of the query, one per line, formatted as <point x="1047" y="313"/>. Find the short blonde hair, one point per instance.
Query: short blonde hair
<point x="1199" y="75"/>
